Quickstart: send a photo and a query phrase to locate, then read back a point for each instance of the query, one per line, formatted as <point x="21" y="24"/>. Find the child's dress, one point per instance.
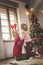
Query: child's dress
<point x="17" y="50"/>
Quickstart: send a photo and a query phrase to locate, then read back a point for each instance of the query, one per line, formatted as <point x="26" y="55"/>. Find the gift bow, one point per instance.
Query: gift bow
<point x="13" y="26"/>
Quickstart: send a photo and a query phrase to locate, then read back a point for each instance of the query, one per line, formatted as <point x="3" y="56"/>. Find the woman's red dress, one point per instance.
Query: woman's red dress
<point x="17" y="50"/>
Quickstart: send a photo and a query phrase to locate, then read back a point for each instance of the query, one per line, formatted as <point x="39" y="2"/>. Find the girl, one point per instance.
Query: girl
<point x="26" y="37"/>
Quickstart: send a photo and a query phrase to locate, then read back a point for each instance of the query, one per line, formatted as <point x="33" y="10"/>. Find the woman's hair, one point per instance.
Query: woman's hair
<point x="15" y="33"/>
<point x="24" y="26"/>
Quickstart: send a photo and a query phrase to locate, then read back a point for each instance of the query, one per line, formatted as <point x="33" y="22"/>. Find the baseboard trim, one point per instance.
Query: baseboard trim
<point x="6" y="58"/>
<point x="23" y="57"/>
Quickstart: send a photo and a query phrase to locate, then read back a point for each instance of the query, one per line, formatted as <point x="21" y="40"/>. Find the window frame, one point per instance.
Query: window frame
<point x="7" y="10"/>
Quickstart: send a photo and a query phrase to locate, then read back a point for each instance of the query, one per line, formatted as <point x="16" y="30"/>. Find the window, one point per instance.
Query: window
<point x="13" y="20"/>
<point x="8" y="17"/>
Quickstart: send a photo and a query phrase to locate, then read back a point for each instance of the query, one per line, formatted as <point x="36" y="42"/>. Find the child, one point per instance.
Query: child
<point x="17" y="50"/>
<point x="26" y="37"/>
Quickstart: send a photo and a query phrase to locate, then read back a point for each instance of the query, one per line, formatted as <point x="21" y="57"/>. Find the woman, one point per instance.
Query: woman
<point x="17" y="50"/>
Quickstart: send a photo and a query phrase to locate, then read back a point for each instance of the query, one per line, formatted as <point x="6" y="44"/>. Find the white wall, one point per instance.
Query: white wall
<point x="8" y="49"/>
<point x="22" y="12"/>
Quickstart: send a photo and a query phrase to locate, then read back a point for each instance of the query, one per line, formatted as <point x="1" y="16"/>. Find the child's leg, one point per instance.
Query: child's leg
<point x="28" y="48"/>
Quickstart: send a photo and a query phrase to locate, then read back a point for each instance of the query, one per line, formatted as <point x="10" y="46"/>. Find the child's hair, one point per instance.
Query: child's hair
<point x="24" y="26"/>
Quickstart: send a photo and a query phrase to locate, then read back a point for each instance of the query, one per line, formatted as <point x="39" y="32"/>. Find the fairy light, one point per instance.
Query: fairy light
<point x="27" y="13"/>
<point x="41" y="11"/>
<point x="32" y="9"/>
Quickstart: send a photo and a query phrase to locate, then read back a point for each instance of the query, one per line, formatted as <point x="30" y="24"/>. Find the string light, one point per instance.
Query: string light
<point x="41" y="11"/>
<point x="32" y="9"/>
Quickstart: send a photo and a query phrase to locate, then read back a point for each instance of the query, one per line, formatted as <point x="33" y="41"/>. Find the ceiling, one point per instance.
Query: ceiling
<point x="36" y="4"/>
<point x="24" y="1"/>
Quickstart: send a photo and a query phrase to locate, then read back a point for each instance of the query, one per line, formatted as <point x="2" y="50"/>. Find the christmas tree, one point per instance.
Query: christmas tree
<point x="36" y="33"/>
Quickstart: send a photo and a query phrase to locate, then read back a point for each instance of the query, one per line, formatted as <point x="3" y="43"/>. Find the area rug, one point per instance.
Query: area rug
<point x="37" y="64"/>
<point x="36" y="61"/>
<point x="13" y="63"/>
<point x="28" y="64"/>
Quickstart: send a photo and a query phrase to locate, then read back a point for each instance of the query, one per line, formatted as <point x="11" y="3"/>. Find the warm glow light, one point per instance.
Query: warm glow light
<point x="32" y="9"/>
<point x="41" y="11"/>
<point x="27" y="13"/>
